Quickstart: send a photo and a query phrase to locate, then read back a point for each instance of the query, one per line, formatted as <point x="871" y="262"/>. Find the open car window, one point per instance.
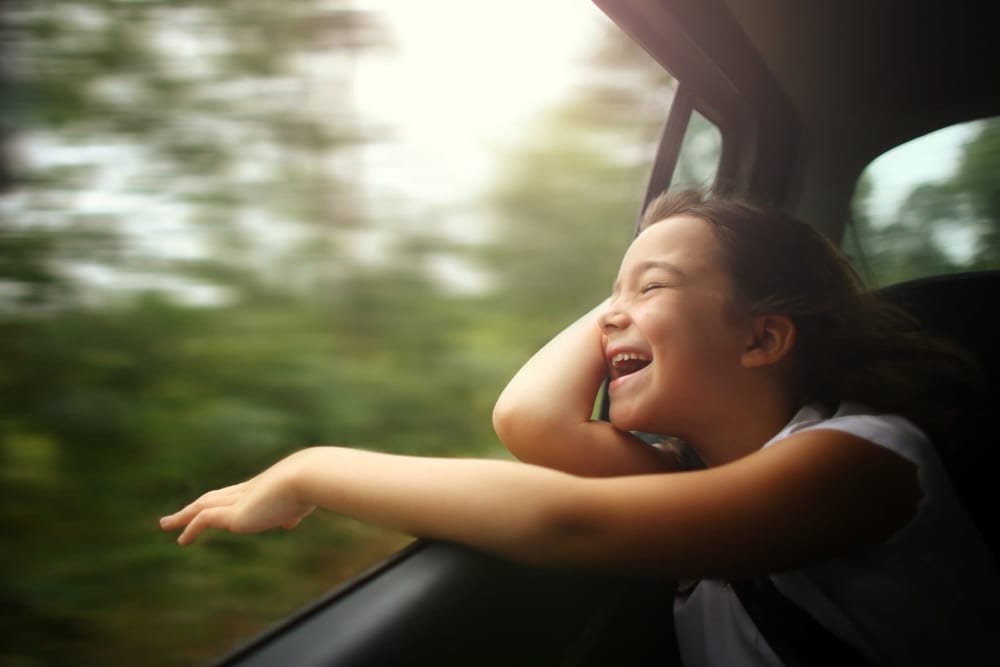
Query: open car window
<point x="231" y="230"/>
<point x="929" y="206"/>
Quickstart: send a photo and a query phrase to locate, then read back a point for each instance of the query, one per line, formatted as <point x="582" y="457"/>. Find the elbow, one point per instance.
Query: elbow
<point x="503" y="418"/>
<point x="505" y="425"/>
<point x="524" y="430"/>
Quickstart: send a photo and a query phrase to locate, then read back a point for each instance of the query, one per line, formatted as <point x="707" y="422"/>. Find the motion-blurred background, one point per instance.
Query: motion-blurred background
<point x="233" y="228"/>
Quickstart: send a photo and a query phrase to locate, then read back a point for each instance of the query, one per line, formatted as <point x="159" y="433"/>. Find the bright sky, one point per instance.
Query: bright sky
<point x="464" y="77"/>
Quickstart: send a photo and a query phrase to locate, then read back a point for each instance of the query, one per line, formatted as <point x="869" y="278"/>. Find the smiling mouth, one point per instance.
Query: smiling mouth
<point x="627" y="363"/>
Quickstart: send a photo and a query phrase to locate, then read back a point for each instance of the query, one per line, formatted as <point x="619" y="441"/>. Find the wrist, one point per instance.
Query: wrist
<point x="298" y="471"/>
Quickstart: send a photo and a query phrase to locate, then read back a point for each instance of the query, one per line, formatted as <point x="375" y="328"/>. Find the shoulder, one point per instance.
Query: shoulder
<point x="839" y="482"/>
<point x="854" y="451"/>
<point x="888" y="431"/>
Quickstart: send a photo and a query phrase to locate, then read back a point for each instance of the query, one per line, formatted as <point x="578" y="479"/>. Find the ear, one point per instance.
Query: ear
<point x="770" y="339"/>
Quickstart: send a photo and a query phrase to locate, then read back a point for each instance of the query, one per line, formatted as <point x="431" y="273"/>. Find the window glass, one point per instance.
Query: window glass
<point x="701" y="150"/>
<point x="231" y="230"/>
<point x="929" y="206"/>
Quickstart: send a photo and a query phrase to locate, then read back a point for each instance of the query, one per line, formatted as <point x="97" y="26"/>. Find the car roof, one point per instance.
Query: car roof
<point x="883" y="72"/>
<point x="893" y="70"/>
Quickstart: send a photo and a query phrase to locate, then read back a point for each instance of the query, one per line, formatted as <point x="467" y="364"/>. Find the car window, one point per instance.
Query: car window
<point x="700" y="153"/>
<point x="231" y="230"/>
<point x="929" y="206"/>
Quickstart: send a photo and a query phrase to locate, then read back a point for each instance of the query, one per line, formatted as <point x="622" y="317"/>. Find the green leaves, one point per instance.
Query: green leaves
<point x="186" y="295"/>
<point x="920" y="239"/>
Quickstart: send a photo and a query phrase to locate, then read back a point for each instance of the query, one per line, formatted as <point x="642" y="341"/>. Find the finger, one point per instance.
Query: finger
<point x="217" y="518"/>
<point x="217" y="498"/>
<point x="183" y="517"/>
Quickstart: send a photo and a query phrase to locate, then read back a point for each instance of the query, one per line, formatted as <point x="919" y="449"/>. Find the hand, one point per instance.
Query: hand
<point x="266" y="501"/>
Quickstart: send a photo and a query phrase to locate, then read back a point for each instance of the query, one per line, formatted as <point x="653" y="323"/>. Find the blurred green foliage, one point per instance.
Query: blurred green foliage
<point x="225" y="318"/>
<point x="915" y="242"/>
<point x="222" y="317"/>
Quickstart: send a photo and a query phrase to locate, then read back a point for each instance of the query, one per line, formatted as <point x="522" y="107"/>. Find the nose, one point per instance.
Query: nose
<point x="612" y="318"/>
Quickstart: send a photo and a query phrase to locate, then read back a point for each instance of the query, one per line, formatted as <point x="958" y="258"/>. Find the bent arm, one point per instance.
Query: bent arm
<point x="543" y="416"/>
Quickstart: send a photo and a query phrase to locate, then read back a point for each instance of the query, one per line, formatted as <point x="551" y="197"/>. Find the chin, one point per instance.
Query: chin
<point x="624" y="420"/>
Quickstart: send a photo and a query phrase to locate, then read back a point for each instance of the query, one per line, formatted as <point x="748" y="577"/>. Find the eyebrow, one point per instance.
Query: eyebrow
<point x="659" y="264"/>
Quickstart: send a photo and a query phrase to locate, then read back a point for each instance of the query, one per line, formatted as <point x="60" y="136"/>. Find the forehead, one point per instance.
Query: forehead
<point x="685" y="241"/>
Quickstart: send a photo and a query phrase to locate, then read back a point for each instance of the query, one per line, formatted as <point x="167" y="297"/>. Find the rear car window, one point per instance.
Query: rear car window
<point x="929" y="206"/>
<point x="231" y="230"/>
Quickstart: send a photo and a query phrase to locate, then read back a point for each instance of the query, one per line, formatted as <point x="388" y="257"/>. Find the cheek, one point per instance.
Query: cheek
<point x="695" y="341"/>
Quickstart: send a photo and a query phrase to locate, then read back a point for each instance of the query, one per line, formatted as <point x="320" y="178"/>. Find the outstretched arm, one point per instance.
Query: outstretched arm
<point x="544" y="414"/>
<point x="771" y="510"/>
<point x="504" y="507"/>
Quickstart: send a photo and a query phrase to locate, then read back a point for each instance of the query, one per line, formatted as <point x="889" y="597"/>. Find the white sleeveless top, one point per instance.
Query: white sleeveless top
<point x="929" y="595"/>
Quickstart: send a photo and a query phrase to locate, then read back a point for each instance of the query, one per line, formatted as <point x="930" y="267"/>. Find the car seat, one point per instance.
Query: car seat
<point x="962" y="307"/>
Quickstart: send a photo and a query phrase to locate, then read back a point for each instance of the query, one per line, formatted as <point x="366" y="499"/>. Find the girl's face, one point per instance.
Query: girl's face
<point x="672" y="338"/>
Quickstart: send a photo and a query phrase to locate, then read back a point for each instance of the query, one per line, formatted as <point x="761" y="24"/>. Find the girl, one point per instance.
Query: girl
<point x="798" y="408"/>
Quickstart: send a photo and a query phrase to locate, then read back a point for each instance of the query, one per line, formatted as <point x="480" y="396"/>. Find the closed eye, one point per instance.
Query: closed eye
<point x="652" y="286"/>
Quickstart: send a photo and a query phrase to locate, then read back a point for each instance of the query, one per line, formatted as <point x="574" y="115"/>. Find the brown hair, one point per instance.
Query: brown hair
<point x="850" y="344"/>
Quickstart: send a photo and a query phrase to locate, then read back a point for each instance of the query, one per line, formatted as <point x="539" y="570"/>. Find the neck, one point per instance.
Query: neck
<point x="742" y="428"/>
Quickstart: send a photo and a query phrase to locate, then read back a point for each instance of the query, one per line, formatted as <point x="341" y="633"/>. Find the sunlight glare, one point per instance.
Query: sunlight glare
<point x="460" y="80"/>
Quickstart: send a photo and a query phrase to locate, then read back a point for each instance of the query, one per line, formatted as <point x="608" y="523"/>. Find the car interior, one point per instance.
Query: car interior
<point x="805" y="95"/>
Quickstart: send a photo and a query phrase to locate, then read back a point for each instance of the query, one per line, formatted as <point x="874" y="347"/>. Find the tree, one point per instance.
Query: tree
<point x="151" y="145"/>
<point x="136" y="374"/>
<point x="930" y="230"/>
<point x="567" y="202"/>
<point x="976" y="183"/>
<point x="178" y="114"/>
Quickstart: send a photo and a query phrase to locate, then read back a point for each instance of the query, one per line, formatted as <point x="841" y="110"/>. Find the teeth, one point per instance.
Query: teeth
<point x="626" y="356"/>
